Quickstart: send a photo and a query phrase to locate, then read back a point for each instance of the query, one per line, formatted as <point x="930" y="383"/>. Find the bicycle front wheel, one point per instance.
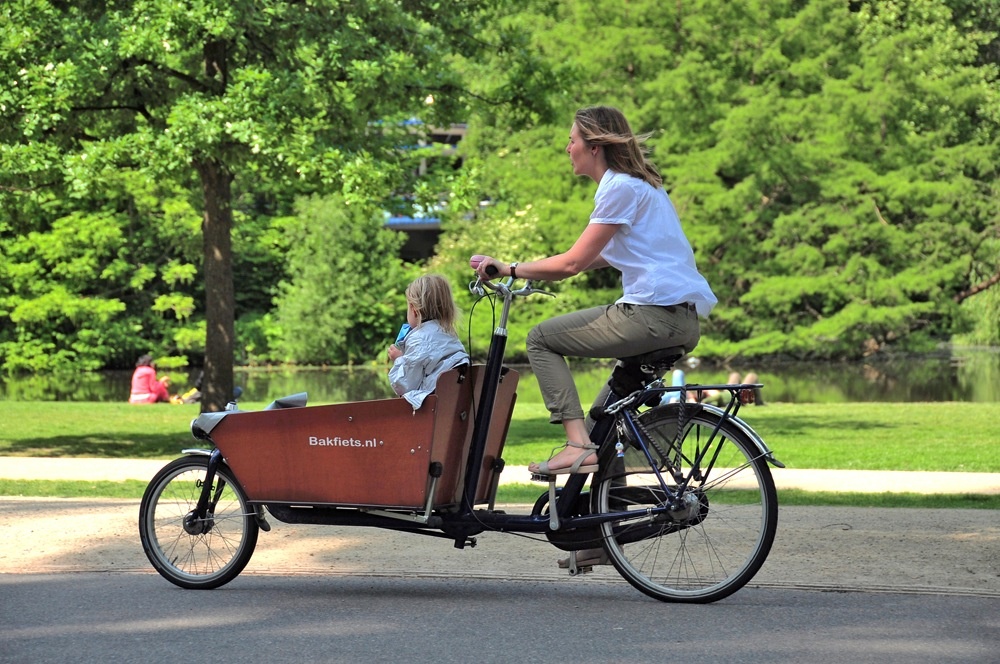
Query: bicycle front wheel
<point x="196" y="553"/>
<point x="719" y="527"/>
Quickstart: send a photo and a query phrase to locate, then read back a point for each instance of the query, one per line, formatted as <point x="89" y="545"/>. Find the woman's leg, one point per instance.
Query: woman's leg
<point x="619" y="330"/>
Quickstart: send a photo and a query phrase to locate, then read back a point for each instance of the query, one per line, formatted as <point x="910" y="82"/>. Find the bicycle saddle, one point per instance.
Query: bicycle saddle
<point x="635" y="372"/>
<point x="661" y="359"/>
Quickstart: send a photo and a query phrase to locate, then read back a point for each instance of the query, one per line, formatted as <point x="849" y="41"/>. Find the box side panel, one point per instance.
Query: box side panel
<point x="452" y="433"/>
<point x="503" y="409"/>
<point x="359" y="453"/>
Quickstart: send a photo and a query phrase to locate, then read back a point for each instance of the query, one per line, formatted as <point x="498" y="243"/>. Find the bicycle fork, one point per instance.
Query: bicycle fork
<point x="197" y="521"/>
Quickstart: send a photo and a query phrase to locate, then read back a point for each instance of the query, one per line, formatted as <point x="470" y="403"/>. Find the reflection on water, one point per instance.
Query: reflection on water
<point x="961" y="375"/>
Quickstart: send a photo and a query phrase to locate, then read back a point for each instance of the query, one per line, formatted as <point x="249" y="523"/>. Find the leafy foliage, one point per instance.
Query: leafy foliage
<point x="834" y="164"/>
<point x="102" y="283"/>
<point x="290" y="97"/>
<point x="344" y="298"/>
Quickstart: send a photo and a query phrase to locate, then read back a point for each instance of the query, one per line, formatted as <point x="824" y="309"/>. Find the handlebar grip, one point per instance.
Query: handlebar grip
<point x="492" y="271"/>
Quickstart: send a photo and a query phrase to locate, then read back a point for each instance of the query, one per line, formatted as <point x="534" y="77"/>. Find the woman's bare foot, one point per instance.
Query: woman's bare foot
<point x="564" y="458"/>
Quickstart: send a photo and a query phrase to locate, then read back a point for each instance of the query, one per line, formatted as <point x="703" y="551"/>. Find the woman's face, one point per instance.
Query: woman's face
<point x="581" y="155"/>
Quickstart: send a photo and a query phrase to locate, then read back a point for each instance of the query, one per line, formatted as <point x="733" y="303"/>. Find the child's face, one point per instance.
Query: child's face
<point x="412" y="317"/>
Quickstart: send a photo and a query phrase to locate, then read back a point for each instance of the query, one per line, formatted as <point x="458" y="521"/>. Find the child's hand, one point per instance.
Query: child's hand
<point x="394" y="352"/>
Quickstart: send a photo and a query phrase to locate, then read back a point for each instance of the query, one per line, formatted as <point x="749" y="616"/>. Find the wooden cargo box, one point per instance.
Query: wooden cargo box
<point x="366" y="453"/>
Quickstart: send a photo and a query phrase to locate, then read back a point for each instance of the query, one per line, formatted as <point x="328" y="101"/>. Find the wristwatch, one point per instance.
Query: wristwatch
<point x="513" y="270"/>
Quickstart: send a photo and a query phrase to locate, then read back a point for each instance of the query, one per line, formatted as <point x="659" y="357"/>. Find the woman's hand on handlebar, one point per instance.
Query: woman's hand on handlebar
<point x="487" y="267"/>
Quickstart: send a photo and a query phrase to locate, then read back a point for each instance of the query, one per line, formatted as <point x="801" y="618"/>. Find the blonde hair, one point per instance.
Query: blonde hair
<point x="607" y="127"/>
<point x="430" y="295"/>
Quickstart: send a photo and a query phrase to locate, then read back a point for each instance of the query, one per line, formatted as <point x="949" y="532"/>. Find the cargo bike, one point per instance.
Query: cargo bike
<point x="683" y="502"/>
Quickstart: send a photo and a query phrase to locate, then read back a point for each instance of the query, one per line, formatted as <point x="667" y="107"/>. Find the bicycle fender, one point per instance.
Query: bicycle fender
<point x="748" y="430"/>
<point x="192" y="451"/>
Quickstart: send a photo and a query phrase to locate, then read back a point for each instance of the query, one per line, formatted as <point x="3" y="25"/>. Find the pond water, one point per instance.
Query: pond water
<point x="955" y="375"/>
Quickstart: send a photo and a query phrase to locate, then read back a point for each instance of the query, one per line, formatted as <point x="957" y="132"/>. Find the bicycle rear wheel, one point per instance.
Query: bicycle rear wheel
<point x="196" y="553"/>
<point x="719" y="530"/>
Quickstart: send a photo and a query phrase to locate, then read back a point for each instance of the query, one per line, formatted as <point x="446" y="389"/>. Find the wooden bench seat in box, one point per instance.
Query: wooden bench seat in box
<point x="365" y="453"/>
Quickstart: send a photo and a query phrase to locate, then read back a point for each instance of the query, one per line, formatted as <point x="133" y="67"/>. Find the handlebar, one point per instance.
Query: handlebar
<point x="480" y="285"/>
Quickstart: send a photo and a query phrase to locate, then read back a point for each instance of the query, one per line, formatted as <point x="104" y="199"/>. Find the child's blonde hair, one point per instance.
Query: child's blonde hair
<point x="430" y="295"/>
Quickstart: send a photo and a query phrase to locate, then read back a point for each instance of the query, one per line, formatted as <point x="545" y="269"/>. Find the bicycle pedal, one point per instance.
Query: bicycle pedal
<point x="540" y="477"/>
<point x="583" y="569"/>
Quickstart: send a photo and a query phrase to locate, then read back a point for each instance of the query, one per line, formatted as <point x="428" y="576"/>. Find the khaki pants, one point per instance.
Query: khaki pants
<point x="613" y="331"/>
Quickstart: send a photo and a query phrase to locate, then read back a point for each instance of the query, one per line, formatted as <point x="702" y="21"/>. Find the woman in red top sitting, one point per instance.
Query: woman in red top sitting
<point x="145" y="387"/>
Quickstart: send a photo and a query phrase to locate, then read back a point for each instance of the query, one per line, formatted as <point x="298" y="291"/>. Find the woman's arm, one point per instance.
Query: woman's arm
<point x="585" y="254"/>
<point x="159" y="388"/>
<point x="598" y="263"/>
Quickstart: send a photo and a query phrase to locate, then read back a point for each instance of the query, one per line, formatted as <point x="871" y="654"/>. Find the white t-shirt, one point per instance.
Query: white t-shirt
<point x="649" y="248"/>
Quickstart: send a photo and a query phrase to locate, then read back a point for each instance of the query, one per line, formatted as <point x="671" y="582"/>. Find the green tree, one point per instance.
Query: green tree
<point x="306" y="95"/>
<point x="834" y="163"/>
<point x="344" y="295"/>
<point x="104" y="283"/>
<point x="849" y="182"/>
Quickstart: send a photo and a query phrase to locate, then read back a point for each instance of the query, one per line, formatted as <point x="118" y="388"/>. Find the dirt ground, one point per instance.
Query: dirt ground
<point x="824" y="548"/>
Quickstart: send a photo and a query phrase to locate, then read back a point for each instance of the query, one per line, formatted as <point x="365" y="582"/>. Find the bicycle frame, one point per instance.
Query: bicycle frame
<point x="662" y="469"/>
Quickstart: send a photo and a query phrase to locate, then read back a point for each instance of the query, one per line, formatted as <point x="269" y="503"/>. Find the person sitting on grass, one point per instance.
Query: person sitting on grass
<point x="145" y="386"/>
<point x="747" y="396"/>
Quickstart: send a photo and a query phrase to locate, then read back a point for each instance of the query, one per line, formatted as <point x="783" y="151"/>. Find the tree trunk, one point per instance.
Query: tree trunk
<point x="220" y="301"/>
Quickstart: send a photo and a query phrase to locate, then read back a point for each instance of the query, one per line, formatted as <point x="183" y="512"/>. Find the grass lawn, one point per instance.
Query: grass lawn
<point x="961" y="437"/>
<point x="95" y="429"/>
<point x="958" y="437"/>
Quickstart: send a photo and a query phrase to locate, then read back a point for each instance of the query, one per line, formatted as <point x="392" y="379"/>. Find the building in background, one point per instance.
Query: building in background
<point x="423" y="226"/>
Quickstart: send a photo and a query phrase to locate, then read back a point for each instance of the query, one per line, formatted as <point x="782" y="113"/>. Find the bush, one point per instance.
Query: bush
<point x="343" y="300"/>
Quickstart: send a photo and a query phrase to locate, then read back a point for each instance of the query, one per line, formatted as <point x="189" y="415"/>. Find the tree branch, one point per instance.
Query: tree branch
<point x="878" y="213"/>
<point x="187" y="78"/>
<point x="978" y="288"/>
<point x="141" y="110"/>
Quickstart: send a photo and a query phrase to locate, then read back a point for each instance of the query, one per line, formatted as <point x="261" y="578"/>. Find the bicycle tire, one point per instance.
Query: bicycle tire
<point x="724" y="525"/>
<point x="178" y="549"/>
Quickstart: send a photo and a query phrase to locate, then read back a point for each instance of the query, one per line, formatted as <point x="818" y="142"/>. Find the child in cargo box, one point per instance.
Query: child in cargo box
<point x="432" y="346"/>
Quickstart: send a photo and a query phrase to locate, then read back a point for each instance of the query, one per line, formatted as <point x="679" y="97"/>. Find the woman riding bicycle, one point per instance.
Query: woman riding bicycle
<point x="634" y="228"/>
